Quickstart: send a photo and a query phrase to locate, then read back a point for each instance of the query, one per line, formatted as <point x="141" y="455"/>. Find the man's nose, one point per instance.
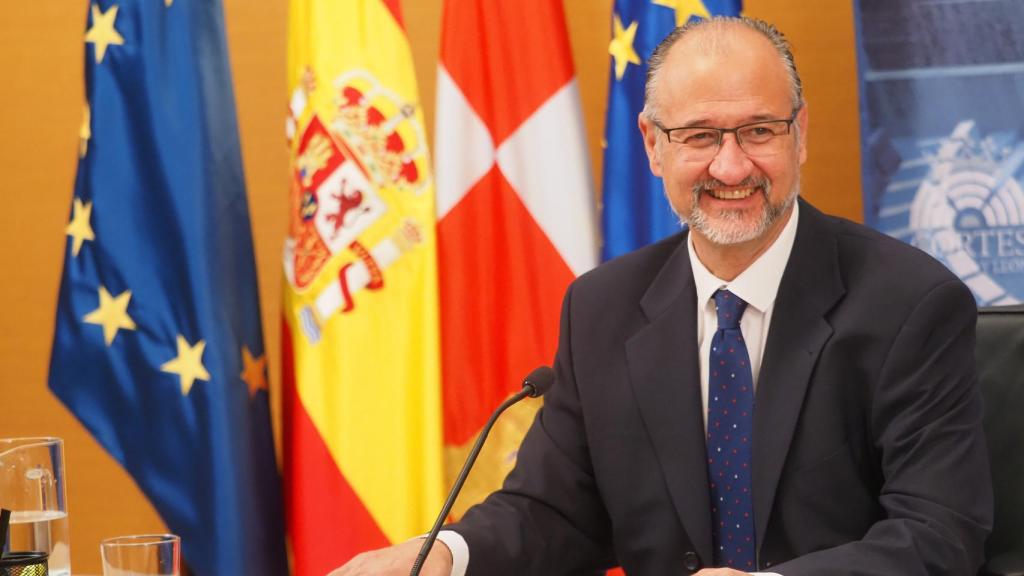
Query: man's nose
<point x="731" y="165"/>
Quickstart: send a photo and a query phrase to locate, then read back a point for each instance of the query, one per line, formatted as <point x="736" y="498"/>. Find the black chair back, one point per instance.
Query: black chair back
<point x="1000" y="356"/>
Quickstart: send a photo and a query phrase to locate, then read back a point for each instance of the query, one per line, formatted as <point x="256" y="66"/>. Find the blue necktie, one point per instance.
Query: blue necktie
<point x="730" y="423"/>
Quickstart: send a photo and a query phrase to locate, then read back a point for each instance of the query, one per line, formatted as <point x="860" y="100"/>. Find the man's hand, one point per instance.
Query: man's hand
<point x="397" y="560"/>
<point x="721" y="572"/>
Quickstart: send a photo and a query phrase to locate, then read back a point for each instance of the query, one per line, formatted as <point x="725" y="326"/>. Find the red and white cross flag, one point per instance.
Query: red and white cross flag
<point x="516" y="214"/>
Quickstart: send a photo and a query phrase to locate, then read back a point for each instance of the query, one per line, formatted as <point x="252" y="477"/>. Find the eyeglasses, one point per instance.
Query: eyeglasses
<point x="701" y="143"/>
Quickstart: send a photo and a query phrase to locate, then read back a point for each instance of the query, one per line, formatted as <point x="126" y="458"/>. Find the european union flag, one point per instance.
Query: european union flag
<point x="635" y="212"/>
<point x="158" y="348"/>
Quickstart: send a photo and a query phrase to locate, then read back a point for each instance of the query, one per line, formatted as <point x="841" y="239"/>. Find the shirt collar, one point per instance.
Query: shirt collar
<point x="759" y="283"/>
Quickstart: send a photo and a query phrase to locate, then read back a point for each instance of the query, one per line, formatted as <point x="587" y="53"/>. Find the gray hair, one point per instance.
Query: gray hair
<point x="718" y="24"/>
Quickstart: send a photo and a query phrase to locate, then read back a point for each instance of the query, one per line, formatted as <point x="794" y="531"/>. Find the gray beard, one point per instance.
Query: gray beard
<point x="728" y="226"/>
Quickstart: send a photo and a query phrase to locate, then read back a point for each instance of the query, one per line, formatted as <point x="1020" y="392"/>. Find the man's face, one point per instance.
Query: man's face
<point x="732" y="197"/>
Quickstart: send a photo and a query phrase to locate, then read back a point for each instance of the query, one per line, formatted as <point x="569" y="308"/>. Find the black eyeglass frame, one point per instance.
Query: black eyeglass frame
<point x="734" y="131"/>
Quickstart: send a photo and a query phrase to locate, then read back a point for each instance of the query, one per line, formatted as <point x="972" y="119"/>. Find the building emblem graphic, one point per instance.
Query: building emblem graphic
<point x="959" y="198"/>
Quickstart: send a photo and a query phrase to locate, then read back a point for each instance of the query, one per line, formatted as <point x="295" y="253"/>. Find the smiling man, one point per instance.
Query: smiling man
<point x="771" y="390"/>
<point x="725" y="127"/>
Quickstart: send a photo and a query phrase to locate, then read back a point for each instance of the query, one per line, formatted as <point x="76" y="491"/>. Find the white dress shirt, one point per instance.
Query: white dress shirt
<point x="757" y="286"/>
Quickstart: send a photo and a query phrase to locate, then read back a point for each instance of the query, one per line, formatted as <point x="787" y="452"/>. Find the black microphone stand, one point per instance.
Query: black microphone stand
<point x="528" y="391"/>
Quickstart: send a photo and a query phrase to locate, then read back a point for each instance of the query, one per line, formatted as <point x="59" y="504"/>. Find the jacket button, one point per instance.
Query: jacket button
<point x="691" y="561"/>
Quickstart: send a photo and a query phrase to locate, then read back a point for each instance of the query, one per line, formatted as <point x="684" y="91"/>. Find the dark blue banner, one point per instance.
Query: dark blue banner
<point x="158" y="348"/>
<point x="634" y="209"/>
<point x="941" y="125"/>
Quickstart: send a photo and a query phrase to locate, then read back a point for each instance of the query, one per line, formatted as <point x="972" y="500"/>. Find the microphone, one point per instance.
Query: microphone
<point x="535" y="384"/>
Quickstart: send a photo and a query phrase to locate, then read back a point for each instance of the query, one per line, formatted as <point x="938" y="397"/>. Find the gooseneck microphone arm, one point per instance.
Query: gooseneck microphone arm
<point x="537" y="383"/>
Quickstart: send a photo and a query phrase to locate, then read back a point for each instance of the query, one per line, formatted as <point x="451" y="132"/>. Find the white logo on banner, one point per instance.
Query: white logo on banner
<point x="959" y="200"/>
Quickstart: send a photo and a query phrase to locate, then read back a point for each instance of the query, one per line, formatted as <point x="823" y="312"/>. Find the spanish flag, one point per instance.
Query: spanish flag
<point x="362" y="407"/>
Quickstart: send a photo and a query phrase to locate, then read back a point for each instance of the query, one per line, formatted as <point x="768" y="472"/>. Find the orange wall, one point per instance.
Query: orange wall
<point x="40" y="105"/>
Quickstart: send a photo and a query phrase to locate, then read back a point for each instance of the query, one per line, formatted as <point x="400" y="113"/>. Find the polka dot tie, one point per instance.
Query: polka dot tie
<point x="730" y="423"/>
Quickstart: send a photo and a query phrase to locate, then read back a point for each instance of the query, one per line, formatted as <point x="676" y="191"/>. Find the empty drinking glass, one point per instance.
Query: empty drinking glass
<point x="143" y="555"/>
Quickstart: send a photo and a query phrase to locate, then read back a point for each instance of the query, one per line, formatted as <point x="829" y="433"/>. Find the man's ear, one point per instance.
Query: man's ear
<point x="649" y="132"/>
<point x="802" y="120"/>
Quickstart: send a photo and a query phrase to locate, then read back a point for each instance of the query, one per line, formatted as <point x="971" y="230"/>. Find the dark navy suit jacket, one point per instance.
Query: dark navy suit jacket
<point x="868" y="452"/>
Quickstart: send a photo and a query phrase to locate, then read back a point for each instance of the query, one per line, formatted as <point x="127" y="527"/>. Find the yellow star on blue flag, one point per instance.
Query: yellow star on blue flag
<point x="102" y="34"/>
<point x="188" y="364"/>
<point x="621" y="46"/>
<point x="111" y="314"/>
<point x="685" y="9"/>
<point x="254" y="372"/>
<point x="79" y="228"/>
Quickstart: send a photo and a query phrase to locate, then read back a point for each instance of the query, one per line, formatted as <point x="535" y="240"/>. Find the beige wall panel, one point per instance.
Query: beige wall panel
<point x="41" y="54"/>
<point x="822" y="35"/>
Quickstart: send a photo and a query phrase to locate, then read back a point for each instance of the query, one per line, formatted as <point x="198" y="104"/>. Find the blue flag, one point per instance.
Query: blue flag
<point x="635" y="211"/>
<point x="158" y="348"/>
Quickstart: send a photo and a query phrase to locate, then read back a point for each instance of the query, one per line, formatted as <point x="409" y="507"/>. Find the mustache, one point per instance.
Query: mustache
<point x="702" y="186"/>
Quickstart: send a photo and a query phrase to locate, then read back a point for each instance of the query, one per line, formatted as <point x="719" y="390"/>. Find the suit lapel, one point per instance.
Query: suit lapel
<point x="810" y="287"/>
<point x="665" y="377"/>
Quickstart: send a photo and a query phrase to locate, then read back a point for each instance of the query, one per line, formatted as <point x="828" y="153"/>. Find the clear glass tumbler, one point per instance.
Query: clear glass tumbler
<point x="32" y="488"/>
<point x="143" y="555"/>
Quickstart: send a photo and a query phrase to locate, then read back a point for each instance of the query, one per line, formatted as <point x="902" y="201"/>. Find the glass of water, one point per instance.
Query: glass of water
<point x="32" y="487"/>
<point x="144" y="555"/>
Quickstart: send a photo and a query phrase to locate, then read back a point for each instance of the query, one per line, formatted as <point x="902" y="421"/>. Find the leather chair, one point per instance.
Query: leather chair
<point x="1000" y="357"/>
